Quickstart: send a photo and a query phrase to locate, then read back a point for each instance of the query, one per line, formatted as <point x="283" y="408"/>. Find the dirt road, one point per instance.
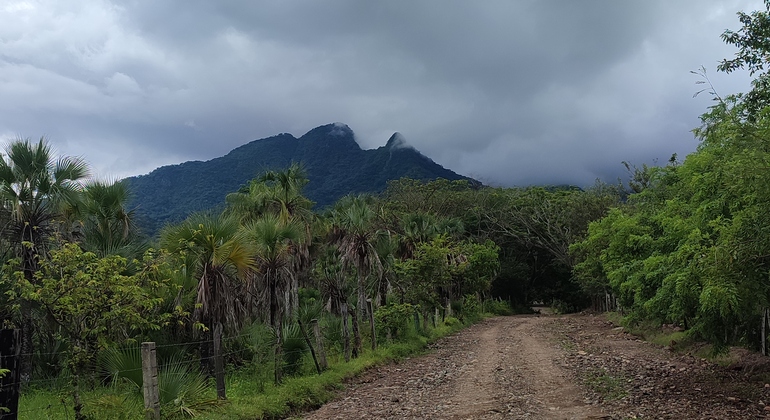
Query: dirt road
<point x="551" y="367"/>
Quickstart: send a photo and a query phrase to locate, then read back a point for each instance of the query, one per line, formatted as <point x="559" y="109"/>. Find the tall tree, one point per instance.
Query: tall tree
<point x="108" y="226"/>
<point x="356" y="235"/>
<point x="753" y="42"/>
<point x="274" y="242"/>
<point x="279" y="193"/>
<point x="35" y="186"/>
<point x="92" y="303"/>
<point x="222" y="257"/>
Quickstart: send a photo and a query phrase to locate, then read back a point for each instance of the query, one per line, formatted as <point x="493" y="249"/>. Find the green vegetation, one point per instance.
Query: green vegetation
<point x="263" y="271"/>
<point x="690" y="246"/>
<point x="336" y="166"/>
<point x="686" y="244"/>
<point x="609" y="387"/>
<point x="249" y="398"/>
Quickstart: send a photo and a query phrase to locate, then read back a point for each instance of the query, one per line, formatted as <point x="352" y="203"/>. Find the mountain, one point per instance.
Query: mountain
<point x="335" y="164"/>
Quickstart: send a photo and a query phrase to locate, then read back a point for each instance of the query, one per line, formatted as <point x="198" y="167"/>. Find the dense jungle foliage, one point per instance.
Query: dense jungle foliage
<point x="691" y="246"/>
<point x="85" y="287"/>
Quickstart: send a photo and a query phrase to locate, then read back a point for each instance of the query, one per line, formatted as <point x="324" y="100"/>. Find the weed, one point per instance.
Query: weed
<point x="609" y="387"/>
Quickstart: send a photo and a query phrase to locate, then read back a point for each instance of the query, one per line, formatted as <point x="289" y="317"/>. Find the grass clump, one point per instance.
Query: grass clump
<point x="608" y="386"/>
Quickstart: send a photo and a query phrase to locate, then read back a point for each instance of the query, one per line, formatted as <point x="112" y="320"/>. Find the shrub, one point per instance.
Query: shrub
<point x="471" y="308"/>
<point x="393" y="319"/>
<point x="451" y="321"/>
<point x="498" y="307"/>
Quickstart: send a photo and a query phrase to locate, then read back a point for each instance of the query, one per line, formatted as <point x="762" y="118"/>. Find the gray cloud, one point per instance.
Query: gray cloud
<point x="510" y="92"/>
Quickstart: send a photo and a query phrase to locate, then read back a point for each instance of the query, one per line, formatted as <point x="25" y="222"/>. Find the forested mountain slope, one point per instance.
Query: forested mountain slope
<point x="335" y="164"/>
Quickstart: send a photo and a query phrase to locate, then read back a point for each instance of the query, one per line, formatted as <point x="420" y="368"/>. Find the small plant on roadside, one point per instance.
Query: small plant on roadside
<point x="471" y="308"/>
<point x="498" y="307"/>
<point x="451" y="321"/>
<point x="609" y="387"/>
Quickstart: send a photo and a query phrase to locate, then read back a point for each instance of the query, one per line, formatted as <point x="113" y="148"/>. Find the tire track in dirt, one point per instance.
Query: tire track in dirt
<point x="501" y="368"/>
<point x="472" y="395"/>
<point x="546" y="386"/>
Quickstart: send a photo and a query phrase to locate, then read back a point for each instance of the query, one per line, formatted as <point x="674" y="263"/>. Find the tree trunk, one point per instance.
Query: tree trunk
<point x="76" y="365"/>
<point x="294" y="295"/>
<point x="345" y="331"/>
<point x="278" y="349"/>
<point x="29" y="261"/>
<point x="27" y="346"/>
<point x="309" y="345"/>
<point x="361" y="307"/>
<point x="356" y="335"/>
<point x="10" y="349"/>
<point x="206" y="348"/>
<point x="383" y="291"/>
<point x="276" y="323"/>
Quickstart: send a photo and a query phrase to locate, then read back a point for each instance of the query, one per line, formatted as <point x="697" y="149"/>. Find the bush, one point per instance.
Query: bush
<point x="393" y="319"/>
<point x="294" y="349"/>
<point x="451" y="321"/>
<point x="471" y="308"/>
<point x="498" y="307"/>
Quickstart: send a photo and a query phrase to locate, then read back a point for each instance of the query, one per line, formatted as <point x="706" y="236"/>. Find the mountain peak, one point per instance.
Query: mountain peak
<point x="337" y="129"/>
<point x="397" y="141"/>
<point x="340" y="129"/>
<point x="335" y="134"/>
<point x="336" y="166"/>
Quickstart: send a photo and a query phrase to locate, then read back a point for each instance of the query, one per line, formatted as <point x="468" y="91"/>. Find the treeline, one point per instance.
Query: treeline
<point x="85" y="287"/>
<point x="692" y="244"/>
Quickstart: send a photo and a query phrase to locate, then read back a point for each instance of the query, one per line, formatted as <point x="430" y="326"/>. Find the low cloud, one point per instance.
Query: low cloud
<point x="512" y="93"/>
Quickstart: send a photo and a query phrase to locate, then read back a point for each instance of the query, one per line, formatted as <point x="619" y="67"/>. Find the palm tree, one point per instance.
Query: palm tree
<point x="276" y="192"/>
<point x="416" y="228"/>
<point x="35" y="187"/>
<point x="280" y="193"/>
<point x="387" y="248"/>
<point x="274" y="241"/>
<point x="355" y="234"/>
<point x="222" y="256"/>
<point x="107" y="225"/>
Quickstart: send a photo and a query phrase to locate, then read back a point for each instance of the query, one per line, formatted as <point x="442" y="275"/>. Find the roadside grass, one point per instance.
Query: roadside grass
<point x="608" y="386"/>
<point x="681" y="342"/>
<point x="250" y="395"/>
<point x="99" y="403"/>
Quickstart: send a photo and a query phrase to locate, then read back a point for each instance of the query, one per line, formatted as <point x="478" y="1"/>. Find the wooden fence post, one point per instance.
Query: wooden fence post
<point x="10" y="352"/>
<point x="150" y="381"/>
<point x="219" y="362"/>
<point x="319" y="344"/>
<point x="370" y="309"/>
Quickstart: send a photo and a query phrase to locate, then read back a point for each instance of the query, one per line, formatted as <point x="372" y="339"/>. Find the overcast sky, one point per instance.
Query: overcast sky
<point x="511" y="92"/>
